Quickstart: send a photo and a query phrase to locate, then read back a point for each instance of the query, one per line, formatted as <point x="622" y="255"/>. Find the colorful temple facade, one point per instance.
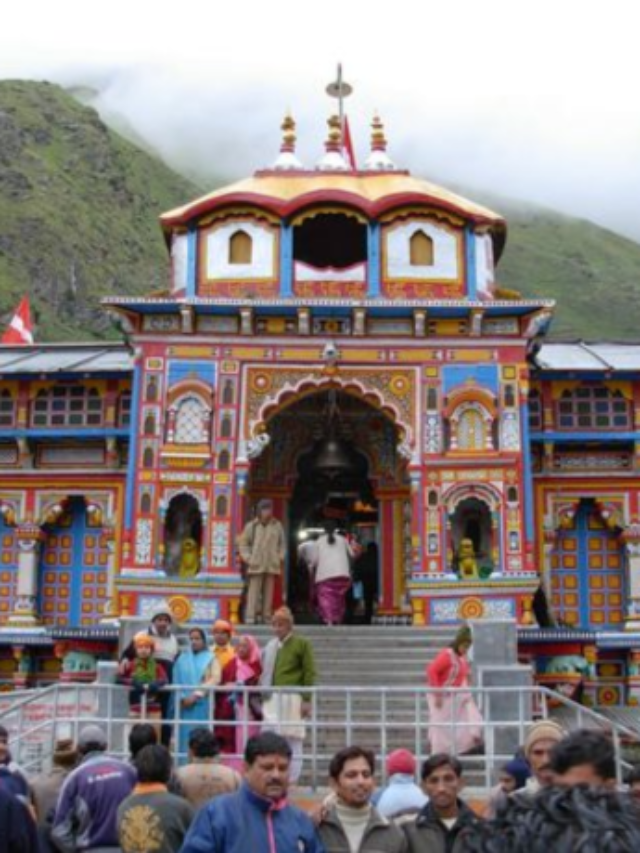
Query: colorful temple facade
<point x="335" y="339"/>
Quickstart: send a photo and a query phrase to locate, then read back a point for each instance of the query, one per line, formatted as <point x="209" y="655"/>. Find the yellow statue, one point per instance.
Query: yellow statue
<point x="189" y="558"/>
<point x="467" y="562"/>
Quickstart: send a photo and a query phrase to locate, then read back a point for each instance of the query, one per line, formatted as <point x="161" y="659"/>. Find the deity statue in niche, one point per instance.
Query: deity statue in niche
<point x="467" y="563"/>
<point x="190" y="558"/>
<point x="183" y="536"/>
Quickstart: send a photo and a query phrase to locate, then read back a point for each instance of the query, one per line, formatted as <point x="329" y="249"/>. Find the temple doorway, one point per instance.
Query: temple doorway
<point x="333" y="458"/>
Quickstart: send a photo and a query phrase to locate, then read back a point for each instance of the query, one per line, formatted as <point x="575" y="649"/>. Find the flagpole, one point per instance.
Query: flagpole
<point x="340" y="89"/>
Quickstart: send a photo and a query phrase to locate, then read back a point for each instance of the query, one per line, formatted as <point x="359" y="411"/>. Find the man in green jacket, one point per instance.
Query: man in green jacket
<point x="288" y="661"/>
<point x="352" y="823"/>
<point x="444" y="822"/>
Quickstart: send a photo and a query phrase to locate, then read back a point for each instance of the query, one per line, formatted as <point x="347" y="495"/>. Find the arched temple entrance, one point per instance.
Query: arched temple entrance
<point x="333" y="455"/>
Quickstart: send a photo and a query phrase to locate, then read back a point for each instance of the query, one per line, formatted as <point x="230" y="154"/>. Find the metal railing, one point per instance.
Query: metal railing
<point x="380" y="718"/>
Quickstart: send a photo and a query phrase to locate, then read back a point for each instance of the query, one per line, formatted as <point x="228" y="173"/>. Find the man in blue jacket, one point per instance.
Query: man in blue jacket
<point x="257" y="817"/>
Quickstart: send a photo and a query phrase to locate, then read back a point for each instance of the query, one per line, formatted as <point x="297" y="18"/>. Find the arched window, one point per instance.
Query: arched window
<point x="593" y="407"/>
<point x="67" y="406"/>
<point x="240" y="248"/>
<point x="535" y="410"/>
<point x="509" y="396"/>
<point x="225" y="427"/>
<point x="147" y="458"/>
<point x="224" y="460"/>
<point x="221" y="506"/>
<point x="512" y="495"/>
<point x="7" y="409"/>
<point x="228" y="393"/>
<point x="420" y="250"/>
<point x="191" y="419"/>
<point x="151" y="392"/>
<point x="433" y="499"/>
<point x="471" y="431"/>
<point x="145" y="503"/>
<point x="432" y="398"/>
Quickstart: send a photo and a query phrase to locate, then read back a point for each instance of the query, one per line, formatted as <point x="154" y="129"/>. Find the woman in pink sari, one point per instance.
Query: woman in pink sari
<point x="450" y="669"/>
<point x="332" y="575"/>
<point x="244" y="669"/>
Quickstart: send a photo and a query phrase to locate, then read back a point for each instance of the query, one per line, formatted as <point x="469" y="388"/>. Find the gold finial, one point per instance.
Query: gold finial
<point x="334" y="138"/>
<point x="288" y="127"/>
<point x="378" y="139"/>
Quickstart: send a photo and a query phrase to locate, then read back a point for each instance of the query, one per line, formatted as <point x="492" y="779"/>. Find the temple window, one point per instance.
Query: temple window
<point x="145" y="503"/>
<point x="240" y="248"/>
<point x="509" y="396"/>
<point x="330" y="240"/>
<point x="224" y="460"/>
<point x="420" y="250"/>
<point x="67" y="406"/>
<point x="191" y="421"/>
<point x="151" y="391"/>
<point x="7" y="409"/>
<point x="512" y="495"/>
<point x="432" y="398"/>
<point x="591" y="408"/>
<point x="147" y="458"/>
<point x="535" y="410"/>
<point x="124" y="409"/>
<point x="221" y="506"/>
<point x="150" y="424"/>
<point x="471" y="431"/>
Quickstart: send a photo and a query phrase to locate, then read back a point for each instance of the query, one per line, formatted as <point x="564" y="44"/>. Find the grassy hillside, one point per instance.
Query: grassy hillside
<point x="79" y="210"/>
<point x="593" y="273"/>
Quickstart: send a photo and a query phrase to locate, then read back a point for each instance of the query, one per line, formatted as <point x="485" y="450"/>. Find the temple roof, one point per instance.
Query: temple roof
<point x="603" y="357"/>
<point x="373" y="193"/>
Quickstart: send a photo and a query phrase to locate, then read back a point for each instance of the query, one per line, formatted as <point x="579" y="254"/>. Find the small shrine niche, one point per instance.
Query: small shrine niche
<point x="183" y="537"/>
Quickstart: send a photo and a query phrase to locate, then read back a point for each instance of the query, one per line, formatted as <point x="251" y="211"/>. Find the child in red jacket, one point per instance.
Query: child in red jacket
<point x="145" y="675"/>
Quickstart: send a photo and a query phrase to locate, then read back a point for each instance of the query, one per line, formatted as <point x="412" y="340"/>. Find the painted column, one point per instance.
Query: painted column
<point x="192" y="262"/>
<point x="373" y="254"/>
<point x="25" y="612"/>
<point x="286" y="260"/>
<point x="111" y="606"/>
<point x="470" y="252"/>
<point x="527" y="476"/>
<point x="631" y="539"/>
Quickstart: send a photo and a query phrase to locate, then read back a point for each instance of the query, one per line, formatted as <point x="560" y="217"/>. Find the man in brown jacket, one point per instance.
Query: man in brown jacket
<point x="444" y="822"/>
<point x="352" y="823"/>
<point x="262" y="550"/>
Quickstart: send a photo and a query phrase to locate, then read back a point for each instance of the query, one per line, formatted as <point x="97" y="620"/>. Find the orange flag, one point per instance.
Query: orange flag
<point x="20" y="329"/>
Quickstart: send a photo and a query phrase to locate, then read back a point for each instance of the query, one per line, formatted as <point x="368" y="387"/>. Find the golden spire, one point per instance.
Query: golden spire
<point x="378" y="139"/>
<point x="287" y="159"/>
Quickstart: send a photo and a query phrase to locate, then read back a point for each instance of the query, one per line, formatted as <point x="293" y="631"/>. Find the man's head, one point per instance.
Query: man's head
<point x="514" y="775"/>
<point x="584" y="757"/>
<point x="153" y="764"/>
<point x="351" y="775"/>
<point x="161" y="621"/>
<point x="267" y="758"/>
<point x="282" y="622"/>
<point x="91" y="739"/>
<point x="401" y="761"/>
<point x="203" y="744"/>
<point x="141" y="735"/>
<point x="222" y="631"/>
<point x="442" y="783"/>
<point x="265" y="510"/>
<point x="65" y="753"/>
<point x="540" y="740"/>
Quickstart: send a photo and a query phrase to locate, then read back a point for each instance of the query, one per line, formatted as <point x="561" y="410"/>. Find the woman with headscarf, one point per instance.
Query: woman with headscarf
<point x="332" y="575"/>
<point x="243" y="670"/>
<point x="190" y="671"/>
<point x="450" y="669"/>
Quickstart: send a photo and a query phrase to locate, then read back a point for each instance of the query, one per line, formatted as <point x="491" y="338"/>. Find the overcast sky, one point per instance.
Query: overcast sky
<point x="534" y="100"/>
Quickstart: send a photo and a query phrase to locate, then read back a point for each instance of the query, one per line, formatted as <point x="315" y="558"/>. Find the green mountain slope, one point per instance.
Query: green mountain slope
<point x="594" y="274"/>
<point x="79" y="210"/>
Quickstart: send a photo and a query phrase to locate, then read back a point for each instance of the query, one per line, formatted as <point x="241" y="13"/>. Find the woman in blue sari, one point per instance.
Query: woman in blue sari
<point x="189" y="671"/>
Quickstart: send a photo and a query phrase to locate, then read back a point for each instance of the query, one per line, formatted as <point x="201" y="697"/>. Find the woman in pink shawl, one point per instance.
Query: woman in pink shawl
<point x="244" y="669"/>
<point x="332" y="575"/>
<point x="450" y="668"/>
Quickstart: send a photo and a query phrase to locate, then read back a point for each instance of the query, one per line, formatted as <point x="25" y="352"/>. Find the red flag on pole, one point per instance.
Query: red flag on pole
<point x="347" y="144"/>
<point x="19" y="330"/>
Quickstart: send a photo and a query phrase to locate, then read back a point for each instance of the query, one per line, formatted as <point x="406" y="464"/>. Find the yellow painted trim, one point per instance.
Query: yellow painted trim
<point x="312" y="212"/>
<point x="418" y="212"/>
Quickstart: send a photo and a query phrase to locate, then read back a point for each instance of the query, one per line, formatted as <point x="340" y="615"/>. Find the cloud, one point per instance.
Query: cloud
<point x="526" y="101"/>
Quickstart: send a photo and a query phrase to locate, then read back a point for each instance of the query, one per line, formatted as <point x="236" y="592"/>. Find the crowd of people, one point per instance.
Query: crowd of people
<point x="560" y="794"/>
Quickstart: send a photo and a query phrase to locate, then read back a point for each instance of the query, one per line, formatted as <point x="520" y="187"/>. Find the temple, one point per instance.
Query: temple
<point x="335" y="338"/>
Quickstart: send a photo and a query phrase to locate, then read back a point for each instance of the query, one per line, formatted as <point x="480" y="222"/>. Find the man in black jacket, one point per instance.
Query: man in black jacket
<point x="443" y="823"/>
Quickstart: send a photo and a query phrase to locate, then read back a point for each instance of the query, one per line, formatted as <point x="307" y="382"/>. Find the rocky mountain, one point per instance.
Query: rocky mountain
<point x="79" y="207"/>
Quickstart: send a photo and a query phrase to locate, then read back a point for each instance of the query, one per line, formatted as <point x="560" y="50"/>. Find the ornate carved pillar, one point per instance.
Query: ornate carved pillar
<point x="631" y="538"/>
<point x="111" y="605"/>
<point x="25" y="614"/>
